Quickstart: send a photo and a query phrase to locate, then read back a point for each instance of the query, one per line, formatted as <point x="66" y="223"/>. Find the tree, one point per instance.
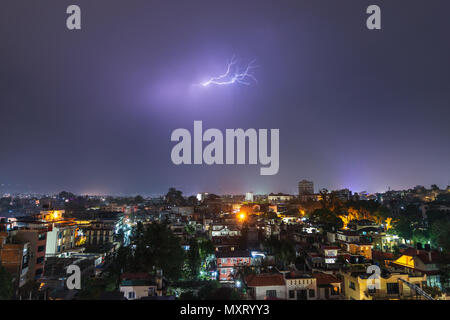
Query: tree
<point x="190" y="229"/>
<point x="175" y="197"/>
<point x="206" y="248"/>
<point x="6" y="285"/>
<point x="270" y="215"/>
<point x="283" y="250"/>
<point x="158" y="248"/>
<point x="138" y="199"/>
<point x="193" y="259"/>
<point x="434" y="187"/>
<point x="192" y="201"/>
<point x="326" y="217"/>
<point x="440" y="235"/>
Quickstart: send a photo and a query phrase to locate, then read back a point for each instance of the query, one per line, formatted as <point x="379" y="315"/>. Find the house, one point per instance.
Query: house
<point x="422" y="262"/>
<point x="326" y="258"/>
<point x="224" y="230"/>
<point x="328" y="286"/>
<point x="300" y="286"/>
<point x="135" y="286"/>
<point x="266" y="286"/>
<point x="392" y="286"/>
<point x="229" y="262"/>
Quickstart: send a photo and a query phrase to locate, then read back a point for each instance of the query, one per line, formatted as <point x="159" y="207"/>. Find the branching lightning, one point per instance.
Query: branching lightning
<point x="233" y="75"/>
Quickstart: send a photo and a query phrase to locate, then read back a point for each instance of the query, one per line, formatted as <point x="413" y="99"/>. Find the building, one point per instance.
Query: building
<point x="224" y="230"/>
<point x="279" y="198"/>
<point x="61" y="237"/>
<point x="305" y="187"/>
<point x="249" y="197"/>
<point x="392" y="286"/>
<point x="328" y="286"/>
<point x="136" y="286"/>
<point x="15" y="257"/>
<point x="229" y="263"/>
<point x="37" y="238"/>
<point x="266" y="286"/>
<point x="300" y="286"/>
<point x="99" y="233"/>
<point x="422" y="262"/>
<point x="343" y="194"/>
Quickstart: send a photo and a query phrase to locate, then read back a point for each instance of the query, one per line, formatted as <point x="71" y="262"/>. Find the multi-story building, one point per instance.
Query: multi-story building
<point x="423" y="262"/>
<point x="14" y="257"/>
<point x="99" y="233"/>
<point x="305" y="187"/>
<point x="229" y="263"/>
<point x="328" y="286"/>
<point x="300" y="286"/>
<point x="361" y="286"/>
<point x="343" y="194"/>
<point x="37" y="238"/>
<point x="279" y="198"/>
<point x="61" y="237"/>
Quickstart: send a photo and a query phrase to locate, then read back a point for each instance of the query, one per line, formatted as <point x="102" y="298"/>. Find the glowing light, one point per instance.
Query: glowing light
<point x="241" y="216"/>
<point x="233" y="74"/>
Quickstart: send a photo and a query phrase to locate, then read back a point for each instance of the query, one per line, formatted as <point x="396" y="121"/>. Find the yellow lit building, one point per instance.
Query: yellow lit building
<point x="361" y="249"/>
<point x="51" y="215"/>
<point x="390" y="286"/>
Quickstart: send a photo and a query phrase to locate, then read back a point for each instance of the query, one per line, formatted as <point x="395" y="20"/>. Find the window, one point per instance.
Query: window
<point x="392" y="288"/>
<point x="131" y="295"/>
<point x="271" y="293"/>
<point x="39" y="260"/>
<point x="312" y="293"/>
<point x="291" y="294"/>
<point x="41" y="236"/>
<point x="351" y="285"/>
<point x="41" y="248"/>
<point x="335" y="291"/>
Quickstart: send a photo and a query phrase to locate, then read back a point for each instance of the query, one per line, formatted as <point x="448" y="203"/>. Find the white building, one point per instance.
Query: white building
<point x="266" y="286"/>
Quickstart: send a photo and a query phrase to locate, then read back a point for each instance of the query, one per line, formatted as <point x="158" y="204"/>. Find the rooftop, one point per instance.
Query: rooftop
<point x="263" y="280"/>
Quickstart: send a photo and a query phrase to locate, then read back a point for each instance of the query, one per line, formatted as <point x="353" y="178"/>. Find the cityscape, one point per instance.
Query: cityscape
<point x="216" y="159"/>
<point x="313" y="245"/>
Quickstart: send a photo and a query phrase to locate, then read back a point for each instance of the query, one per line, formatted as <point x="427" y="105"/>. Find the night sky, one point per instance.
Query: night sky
<point x="92" y="111"/>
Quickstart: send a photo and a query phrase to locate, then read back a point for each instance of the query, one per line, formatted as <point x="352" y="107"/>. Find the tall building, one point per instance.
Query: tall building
<point x="249" y="196"/>
<point x="343" y="194"/>
<point x="305" y="187"/>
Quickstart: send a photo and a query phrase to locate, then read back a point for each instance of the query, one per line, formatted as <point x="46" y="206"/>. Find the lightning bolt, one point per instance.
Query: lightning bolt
<point x="233" y="75"/>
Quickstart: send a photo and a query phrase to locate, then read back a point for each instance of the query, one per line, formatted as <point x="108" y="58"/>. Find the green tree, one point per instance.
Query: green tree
<point x="158" y="248"/>
<point x="440" y="235"/>
<point x="175" y="197"/>
<point x="193" y="259"/>
<point x="328" y="218"/>
<point x="283" y="250"/>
